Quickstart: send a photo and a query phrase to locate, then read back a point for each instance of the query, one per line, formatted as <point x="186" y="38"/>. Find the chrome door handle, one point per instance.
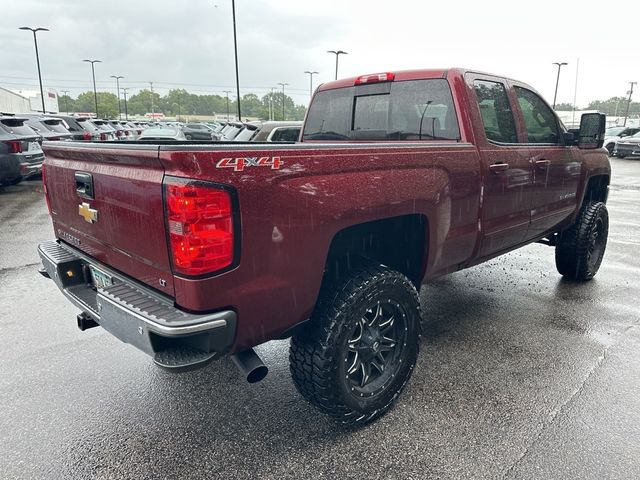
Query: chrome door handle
<point x="499" y="167"/>
<point x="544" y="163"/>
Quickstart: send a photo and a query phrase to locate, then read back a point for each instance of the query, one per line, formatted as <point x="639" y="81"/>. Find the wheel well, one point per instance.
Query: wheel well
<point x="597" y="189"/>
<point x="398" y="242"/>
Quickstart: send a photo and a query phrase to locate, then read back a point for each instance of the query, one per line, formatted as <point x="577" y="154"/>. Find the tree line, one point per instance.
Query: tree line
<point x="181" y="103"/>
<point x="615" y="106"/>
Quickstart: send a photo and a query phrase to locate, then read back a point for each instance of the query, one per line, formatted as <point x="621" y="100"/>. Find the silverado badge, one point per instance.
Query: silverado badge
<point x="89" y="214"/>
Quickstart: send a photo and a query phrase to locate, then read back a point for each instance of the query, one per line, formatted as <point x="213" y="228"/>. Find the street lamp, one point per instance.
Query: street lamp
<point x="126" y="113"/>
<point x="93" y="73"/>
<point x="271" y="104"/>
<point x="66" y="94"/>
<point x="118" y="77"/>
<point x="311" y="74"/>
<point x="559" y="64"/>
<point x="235" y="49"/>
<point x="630" y="92"/>
<point x="227" y="92"/>
<point x="283" y="85"/>
<point x="337" y="53"/>
<point x="35" y="41"/>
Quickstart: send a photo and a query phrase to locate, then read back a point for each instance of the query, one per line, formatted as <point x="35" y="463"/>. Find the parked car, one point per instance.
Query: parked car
<point x="273" y="131"/>
<point x="192" y="252"/>
<point x="119" y="129"/>
<point x="50" y="129"/>
<point x="107" y="132"/>
<point x="165" y="133"/>
<point x="249" y="130"/>
<point x="81" y="128"/>
<point x="628" y="146"/>
<point x="198" y="131"/>
<point x="230" y="130"/>
<point x="21" y="155"/>
<point x="613" y="134"/>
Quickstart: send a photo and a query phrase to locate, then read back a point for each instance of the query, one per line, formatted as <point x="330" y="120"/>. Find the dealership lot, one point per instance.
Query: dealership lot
<point x="521" y="375"/>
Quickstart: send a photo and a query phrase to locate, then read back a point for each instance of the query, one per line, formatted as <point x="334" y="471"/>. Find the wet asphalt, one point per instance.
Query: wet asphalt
<point x="521" y="375"/>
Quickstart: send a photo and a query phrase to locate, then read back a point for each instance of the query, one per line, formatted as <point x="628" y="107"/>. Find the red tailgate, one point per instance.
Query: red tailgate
<point x="121" y="223"/>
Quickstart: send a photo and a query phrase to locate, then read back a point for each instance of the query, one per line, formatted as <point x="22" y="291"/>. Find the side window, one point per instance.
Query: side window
<point x="497" y="116"/>
<point x="285" y="135"/>
<point x="539" y="119"/>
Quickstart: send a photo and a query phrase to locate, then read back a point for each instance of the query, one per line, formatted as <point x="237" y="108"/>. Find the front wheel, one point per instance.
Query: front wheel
<point x="580" y="248"/>
<point x="610" y="147"/>
<point x="361" y="346"/>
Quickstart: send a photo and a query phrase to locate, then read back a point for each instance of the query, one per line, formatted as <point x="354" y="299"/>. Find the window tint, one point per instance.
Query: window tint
<point x="539" y="119"/>
<point x="497" y="116"/>
<point x="411" y="110"/>
<point x="286" y="134"/>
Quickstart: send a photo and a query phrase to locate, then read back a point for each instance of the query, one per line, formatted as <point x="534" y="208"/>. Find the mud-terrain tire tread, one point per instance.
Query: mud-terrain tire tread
<point x="314" y="351"/>
<point x="573" y="243"/>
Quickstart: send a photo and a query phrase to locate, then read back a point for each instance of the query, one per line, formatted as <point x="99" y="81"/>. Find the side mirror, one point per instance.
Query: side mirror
<point x="591" y="134"/>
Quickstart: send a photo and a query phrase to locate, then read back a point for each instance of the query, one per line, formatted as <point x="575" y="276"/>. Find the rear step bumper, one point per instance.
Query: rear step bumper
<point x="177" y="340"/>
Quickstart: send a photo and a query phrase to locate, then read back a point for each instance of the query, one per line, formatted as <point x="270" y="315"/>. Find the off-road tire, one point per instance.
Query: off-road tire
<point x="580" y="248"/>
<point x="319" y="353"/>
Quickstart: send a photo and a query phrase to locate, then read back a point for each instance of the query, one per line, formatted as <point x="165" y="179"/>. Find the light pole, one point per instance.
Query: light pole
<point x="337" y="53"/>
<point x="559" y="64"/>
<point x="35" y="41"/>
<point x="93" y="73"/>
<point x="271" y="104"/>
<point x="311" y="74"/>
<point x="153" y="112"/>
<point x="283" y="85"/>
<point x="126" y="113"/>
<point x="118" y="77"/>
<point x="66" y="94"/>
<point x="628" y="103"/>
<point x="227" y="92"/>
<point x="235" y="49"/>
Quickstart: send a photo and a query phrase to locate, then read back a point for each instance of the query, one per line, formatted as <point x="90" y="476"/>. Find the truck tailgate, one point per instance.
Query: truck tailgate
<point x="107" y="201"/>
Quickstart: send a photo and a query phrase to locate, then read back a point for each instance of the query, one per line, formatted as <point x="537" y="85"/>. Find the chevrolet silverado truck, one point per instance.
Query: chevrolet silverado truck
<point x="191" y="251"/>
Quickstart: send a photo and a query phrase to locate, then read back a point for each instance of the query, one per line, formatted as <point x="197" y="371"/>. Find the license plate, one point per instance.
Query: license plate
<point x="34" y="147"/>
<point x="99" y="278"/>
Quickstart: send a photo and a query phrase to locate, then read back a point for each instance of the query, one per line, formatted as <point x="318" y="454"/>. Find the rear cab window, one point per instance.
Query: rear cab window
<point x="392" y="111"/>
<point x="495" y="110"/>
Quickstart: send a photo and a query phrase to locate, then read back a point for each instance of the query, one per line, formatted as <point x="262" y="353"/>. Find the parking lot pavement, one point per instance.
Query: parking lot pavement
<point x="521" y="375"/>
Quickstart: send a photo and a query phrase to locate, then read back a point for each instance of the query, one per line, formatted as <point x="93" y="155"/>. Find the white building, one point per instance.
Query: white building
<point x="27" y="101"/>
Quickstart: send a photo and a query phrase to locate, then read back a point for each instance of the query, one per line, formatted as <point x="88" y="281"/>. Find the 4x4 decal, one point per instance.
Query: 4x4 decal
<point x="240" y="163"/>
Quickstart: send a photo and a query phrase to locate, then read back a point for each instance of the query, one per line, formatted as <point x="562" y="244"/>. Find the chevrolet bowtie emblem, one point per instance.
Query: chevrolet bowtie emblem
<point x="89" y="214"/>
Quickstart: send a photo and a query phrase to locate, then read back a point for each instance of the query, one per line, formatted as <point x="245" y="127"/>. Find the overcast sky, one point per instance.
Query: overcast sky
<point x="189" y="44"/>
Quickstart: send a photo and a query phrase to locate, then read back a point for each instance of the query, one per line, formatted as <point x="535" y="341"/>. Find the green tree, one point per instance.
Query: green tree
<point x="564" y="107"/>
<point x="107" y="104"/>
<point x="141" y="103"/>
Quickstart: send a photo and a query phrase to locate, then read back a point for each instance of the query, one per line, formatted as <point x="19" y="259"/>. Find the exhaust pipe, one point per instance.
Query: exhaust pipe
<point x="250" y="365"/>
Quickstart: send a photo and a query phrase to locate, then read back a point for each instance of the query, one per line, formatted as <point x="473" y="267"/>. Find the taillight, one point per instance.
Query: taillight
<point x="375" y="78"/>
<point x="103" y="136"/>
<point x="86" y="136"/>
<point x="201" y="229"/>
<point x="126" y="132"/>
<point x="15" y="146"/>
<point x="44" y="185"/>
<point x="118" y="133"/>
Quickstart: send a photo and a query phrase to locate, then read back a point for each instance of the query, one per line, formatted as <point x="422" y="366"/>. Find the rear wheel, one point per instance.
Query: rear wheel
<point x="580" y="248"/>
<point x="360" y="348"/>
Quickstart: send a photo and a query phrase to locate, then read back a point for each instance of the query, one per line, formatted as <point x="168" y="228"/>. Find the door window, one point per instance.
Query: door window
<point x="495" y="110"/>
<point x="539" y="119"/>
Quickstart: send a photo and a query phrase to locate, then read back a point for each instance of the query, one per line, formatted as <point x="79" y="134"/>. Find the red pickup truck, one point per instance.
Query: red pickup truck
<point x="190" y="251"/>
